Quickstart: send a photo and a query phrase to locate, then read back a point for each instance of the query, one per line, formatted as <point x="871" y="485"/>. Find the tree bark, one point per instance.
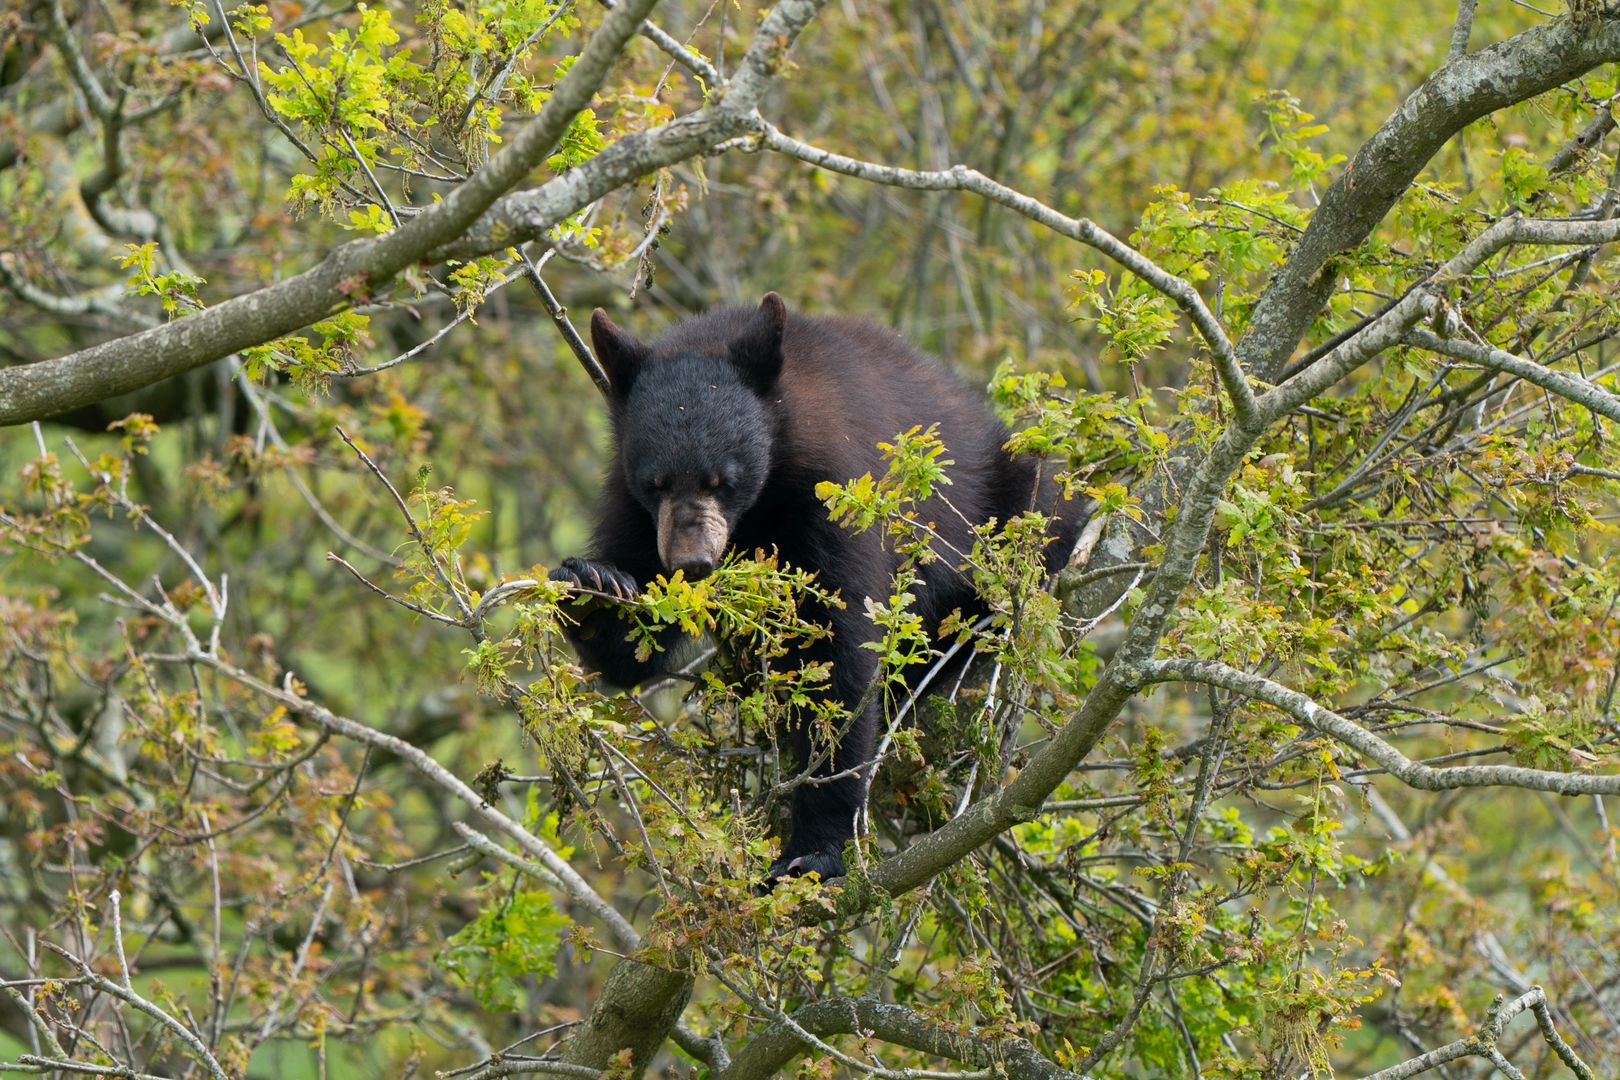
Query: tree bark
<point x="638" y="1006"/>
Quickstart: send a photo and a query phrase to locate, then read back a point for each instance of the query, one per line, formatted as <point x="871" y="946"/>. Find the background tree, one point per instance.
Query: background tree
<point x="1301" y="766"/>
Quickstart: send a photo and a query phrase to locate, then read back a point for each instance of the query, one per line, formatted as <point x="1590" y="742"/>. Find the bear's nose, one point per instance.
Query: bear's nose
<point x="696" y="568"/>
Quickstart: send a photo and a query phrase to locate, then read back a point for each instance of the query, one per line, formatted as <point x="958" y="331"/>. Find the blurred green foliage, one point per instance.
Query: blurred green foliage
<point x="1367" y="573"/>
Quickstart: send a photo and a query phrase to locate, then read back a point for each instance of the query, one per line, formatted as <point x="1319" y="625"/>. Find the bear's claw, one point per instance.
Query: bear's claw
<point x="829" y="864"/>
<point x="600" y="577"/>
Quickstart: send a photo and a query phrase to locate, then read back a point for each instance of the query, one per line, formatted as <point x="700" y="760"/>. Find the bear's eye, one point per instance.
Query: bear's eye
<point x="660" y="482"/>
<point x="711" y="482"/>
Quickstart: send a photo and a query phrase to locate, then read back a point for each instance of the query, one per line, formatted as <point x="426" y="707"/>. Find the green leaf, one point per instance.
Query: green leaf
<point x="505" y="945"/>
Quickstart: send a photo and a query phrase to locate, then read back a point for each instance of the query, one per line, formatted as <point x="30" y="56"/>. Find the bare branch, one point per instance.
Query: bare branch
<point x="1390" y="328"/>
<point x="106" y="301"/>
<point x="1364" y="742"/>
<point x="522" y="1066"/>
<point x="479" y="842"/>
<point x="127" y="993"/>
<point x="1573" y="387"/>
<point x="1585" y="139"/>
<point x="559" y="315"/>
<point x="386" y="595"/>
<point x="577" y="888"/>
<point x="449" y="583"/>
<point x="962" y="178"/>
<point x="1461" y="30"/>
<point x="687" y="58"/>
<point x="38" y="1064"/>
<point x="1484" y="1043"/>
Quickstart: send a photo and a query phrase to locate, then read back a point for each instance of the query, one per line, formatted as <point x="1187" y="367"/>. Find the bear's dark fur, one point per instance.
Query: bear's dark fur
<point x="723" y="427"/>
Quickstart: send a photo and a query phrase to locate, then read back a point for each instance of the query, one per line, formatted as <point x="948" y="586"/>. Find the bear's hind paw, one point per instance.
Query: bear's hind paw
<point x="827" y="864"/>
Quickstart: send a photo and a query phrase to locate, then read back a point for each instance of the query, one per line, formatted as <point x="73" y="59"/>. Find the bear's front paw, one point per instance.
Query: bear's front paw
<point x="597" y="577"/>
<point x="829" y="864"/>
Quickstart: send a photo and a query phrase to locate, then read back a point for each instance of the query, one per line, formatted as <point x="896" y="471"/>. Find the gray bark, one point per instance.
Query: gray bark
<point x="772" y="1049"/>
<point x="1411" y="773"/>
<point x="638" y="1006"/>
<point x="362" y="266"/>
<point x="367" y="266"/>
<point x="1461" y="92"/>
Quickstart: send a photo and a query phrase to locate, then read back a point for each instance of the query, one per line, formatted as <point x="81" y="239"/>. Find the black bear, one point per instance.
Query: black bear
<point x="723" y="427"/>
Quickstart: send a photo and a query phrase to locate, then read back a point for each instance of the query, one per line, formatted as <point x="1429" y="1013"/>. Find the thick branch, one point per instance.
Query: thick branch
<point x="1021" y="799"/>
<point x="1573" y="387"/>
<point x="772" y="1049"/>
<point x="636" y="1010"/>
<point x="1460" y="92"/>
<point x="128" y="363"/>
<point x="1370" y="746"/>
<point x="526" y="215"/>
<point x="474" y="220"/>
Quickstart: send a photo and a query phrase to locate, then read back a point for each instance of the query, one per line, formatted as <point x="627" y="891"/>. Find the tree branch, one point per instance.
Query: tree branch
<point x="1461" y="29"/>
<point x="1021" y="799"/>
<point x="1364" y="742"/>
<point x="578" y="889"/>
<point x="1483" y="1044"/>
<point x="1460" y="92"/>
<point x="772" y="1049"/>
<point x="474" y="219"/>
<point x="128" y="363"/>
<point x="1392" y="326"/>
<point x="1083" y="230"/>
<point x="105" y="301"/>
<point x="638" y="1007"/>
<point x="526" y="215"/>
<point x="126" y="992"/>
<point x="1573" y="387"/>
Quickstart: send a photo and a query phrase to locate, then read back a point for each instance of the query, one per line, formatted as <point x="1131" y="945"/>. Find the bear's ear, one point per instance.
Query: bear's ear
<point x="757" y="353"/>
<point x="621" y="355"/>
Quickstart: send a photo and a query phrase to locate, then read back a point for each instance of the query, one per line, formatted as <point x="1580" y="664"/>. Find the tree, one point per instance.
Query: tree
<point x="1300" y="766"/>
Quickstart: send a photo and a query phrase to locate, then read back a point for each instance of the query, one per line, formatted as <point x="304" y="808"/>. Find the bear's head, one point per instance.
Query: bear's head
<point x="695" y="426"/>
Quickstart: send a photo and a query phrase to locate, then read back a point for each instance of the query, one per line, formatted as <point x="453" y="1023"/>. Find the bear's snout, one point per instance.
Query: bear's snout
<point x="692" y="534"/>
